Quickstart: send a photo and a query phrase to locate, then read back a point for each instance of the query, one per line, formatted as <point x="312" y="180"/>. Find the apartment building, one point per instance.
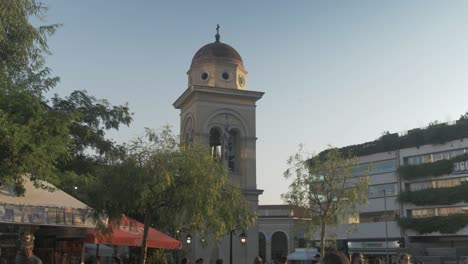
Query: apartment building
<point x="417" y="195"/>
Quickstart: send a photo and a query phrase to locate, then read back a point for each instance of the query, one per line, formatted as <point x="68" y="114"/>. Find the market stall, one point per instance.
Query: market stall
<point x="58" y="221"/>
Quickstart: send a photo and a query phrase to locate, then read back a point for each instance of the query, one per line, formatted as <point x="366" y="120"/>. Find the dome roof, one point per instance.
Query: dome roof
<point x="217" y="51"/>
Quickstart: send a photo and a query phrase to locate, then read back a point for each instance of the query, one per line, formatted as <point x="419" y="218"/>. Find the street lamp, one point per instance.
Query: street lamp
<point x="243" y="237"/>
<point x="243" y="240"/>
<point x="189" y="238"/>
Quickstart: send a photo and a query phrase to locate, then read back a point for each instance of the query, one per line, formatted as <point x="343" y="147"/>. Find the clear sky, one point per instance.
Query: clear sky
<point x="333" y="72"/>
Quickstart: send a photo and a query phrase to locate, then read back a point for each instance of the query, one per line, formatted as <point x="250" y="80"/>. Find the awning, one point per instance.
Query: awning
<point x="129" y="232"/>
<point x="39" y="197"/>
<point x="43" y="207"/>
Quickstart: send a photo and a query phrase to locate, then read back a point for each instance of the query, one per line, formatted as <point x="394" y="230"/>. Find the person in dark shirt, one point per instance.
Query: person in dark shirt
<point x="25" y="253"/>
<point x="335" y="257"/>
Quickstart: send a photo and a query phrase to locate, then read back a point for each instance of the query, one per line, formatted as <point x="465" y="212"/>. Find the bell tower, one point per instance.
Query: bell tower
<point x="217" y="110"/>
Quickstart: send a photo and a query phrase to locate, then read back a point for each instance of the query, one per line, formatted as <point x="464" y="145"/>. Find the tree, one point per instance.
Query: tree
<point x="32" y="136"/>
<point x="172" y="185"/>
<point x="325" y="188"/>
<point x="43" y="139"/>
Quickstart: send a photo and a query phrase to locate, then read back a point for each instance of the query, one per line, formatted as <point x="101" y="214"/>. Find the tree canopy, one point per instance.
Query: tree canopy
<point x="45" y="138"/>
<point x="325" y="188"/>
<point x="172" y="185"/>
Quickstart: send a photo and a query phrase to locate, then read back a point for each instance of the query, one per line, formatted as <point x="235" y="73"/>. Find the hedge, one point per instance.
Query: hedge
<point x="444" y="224"/>
<point x="436" y="196"/>
<point x="434" y="169"/>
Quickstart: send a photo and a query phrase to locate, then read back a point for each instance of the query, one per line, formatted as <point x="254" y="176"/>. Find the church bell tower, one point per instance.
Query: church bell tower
<point x="217" y="110"/>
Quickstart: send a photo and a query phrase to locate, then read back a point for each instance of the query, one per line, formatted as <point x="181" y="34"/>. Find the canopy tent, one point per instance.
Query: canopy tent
<point x="303" y="254"/>
<point x="129" y="232"/>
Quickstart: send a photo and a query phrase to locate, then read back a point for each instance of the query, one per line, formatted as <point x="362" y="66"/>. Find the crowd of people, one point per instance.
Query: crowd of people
<point x="332" y="257"/>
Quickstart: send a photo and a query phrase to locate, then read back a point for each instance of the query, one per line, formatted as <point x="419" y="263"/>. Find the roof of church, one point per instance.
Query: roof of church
<point x="216" y="51"/>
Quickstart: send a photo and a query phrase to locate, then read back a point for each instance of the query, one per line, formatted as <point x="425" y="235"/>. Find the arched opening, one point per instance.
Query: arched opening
<point x="262" y="246"/>
<point x="188" y="131"/>
<point x="279" y="245"/>
<point x="215" y="144"/>
<point x="233" y="150"/>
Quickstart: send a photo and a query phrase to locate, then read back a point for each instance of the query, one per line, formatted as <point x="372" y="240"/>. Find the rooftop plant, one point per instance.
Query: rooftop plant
<point x="435" y="133"/>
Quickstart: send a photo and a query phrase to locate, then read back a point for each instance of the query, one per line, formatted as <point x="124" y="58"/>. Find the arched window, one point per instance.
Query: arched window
<point x="233" y="149"/>
<point x="215" y="144"/>
<point x="188" y="131"/>
<point x="262" y="246"/>
<point x="279" y="245"/>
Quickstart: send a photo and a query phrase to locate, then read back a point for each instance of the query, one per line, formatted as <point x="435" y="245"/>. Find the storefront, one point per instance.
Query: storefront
<point x="57" y="220"/>
<point x="375" y="249"/>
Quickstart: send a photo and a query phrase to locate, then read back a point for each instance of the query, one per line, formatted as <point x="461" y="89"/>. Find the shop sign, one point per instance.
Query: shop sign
<point x="372" y="244"/>
<point x="42" y="215"/>
<point x="460" y="166"/>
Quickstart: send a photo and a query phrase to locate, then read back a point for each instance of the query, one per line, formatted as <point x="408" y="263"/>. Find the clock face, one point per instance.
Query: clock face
<point x="241" y="80"/>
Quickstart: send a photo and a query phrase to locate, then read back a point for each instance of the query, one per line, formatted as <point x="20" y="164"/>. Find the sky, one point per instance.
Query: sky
<point x="333" y="72"/>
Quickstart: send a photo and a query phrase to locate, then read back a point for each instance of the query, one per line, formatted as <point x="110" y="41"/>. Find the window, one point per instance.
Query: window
<point x="378" y="167"/>
<point x="384" y="166"/>
<point x="417" y="213"/>
<point x="215" y="144"/>
<point x="204" y="76"/>
<point x="379" y="216"/>
<point x="378" y="190"/>
<point x="433" y="157"/>
<point x="232" y="150"/>
<point x="446" y="183"/>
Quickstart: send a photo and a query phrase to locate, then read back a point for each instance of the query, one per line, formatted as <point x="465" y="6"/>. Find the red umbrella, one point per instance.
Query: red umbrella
<point x="129" y="232"/>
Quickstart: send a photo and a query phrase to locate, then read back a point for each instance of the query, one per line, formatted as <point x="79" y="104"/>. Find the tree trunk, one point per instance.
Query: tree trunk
<point x="322" y="240"/>
<point x="144" y="248"/>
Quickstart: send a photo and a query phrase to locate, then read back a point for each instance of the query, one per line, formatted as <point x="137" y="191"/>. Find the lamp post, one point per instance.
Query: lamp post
<point x="188" y="239"/>
<point x="386" y="228"/>
<point x="243" y="240"/>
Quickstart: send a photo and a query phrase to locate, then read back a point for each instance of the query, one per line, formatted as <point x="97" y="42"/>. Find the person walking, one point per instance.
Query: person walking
<point x="357" y="258"/>
<point x="335" y="257"/>
<point x="258" y="260"/>
<point x="404" y="258"/>
<point x="316" y="259"/>
<point x="115" y="260"/>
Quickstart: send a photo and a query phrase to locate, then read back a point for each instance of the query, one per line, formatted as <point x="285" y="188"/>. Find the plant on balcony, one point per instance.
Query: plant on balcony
<point x="438" y="196"/>
<point x="443" y="224"/>
<point x="435" y="133"/>
<point x="434" y="169"/>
